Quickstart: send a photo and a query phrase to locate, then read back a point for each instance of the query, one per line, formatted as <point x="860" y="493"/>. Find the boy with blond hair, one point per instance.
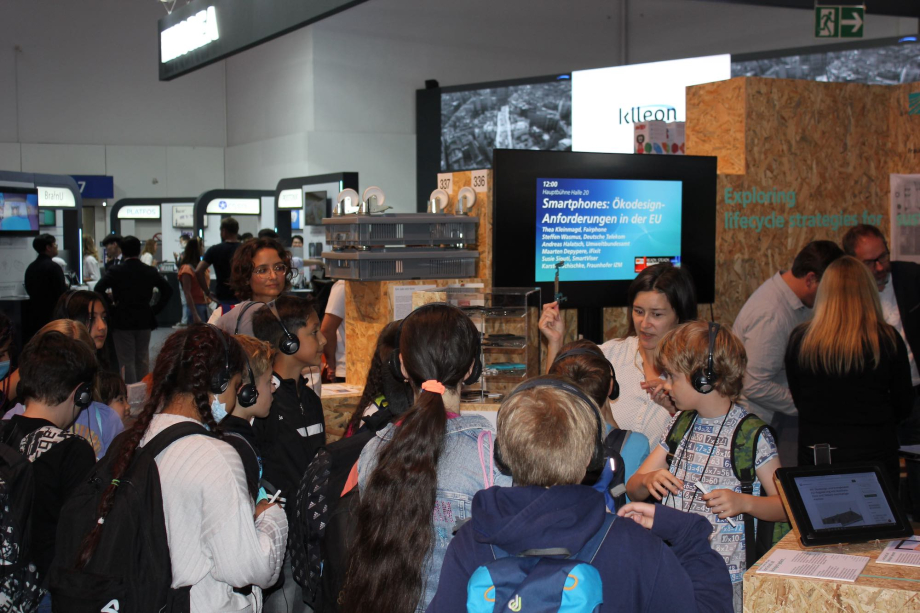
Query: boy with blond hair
<point x="547" y="437"/>
<point x="696" y="465"/>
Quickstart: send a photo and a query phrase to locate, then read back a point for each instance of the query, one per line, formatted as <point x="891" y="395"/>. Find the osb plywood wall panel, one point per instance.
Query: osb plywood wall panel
<point x="827" y="142"/>
<point x="904" y="134"/>
<point x="719" y="118"/>
<point x="368" y="309"/>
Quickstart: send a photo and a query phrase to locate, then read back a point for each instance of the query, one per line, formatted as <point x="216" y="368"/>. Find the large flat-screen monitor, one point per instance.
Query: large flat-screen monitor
<point x="18" y="211"/>
<point x="606" y="217"/>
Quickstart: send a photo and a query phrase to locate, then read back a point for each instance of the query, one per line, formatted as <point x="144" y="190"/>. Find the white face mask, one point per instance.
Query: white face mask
<point x="218" y="409"/>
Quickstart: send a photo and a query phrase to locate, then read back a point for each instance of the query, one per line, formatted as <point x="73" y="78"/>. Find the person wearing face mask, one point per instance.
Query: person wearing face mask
<point x="898" y="286"/>
<point x="764" y="324"/>
<point x="660" y="298"/>
<point x="239" y="421"/>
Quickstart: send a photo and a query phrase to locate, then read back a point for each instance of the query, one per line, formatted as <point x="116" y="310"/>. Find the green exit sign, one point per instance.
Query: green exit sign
<point x="839" y="21"/>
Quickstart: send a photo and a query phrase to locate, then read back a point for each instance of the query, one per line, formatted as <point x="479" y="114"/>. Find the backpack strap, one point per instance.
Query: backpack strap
<point x="678" y="431"/>
<point x="170" y="435"/>
<point x="586" y="554"/>
<point x="615" y="441"/>
<point x="250" y="460"/>
<point x="744" y="452"/>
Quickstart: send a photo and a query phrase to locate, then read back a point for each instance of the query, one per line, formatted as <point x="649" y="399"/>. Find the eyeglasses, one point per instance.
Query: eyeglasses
<point x="262" y="271"/>
<point x="882" y="259"/>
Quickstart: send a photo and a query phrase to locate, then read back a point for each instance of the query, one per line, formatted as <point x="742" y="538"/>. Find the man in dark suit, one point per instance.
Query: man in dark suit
<point x="132" y="318"/>
<point x="901" y="306"/>
<point x="112" y="244"/>
<point x="44" y="283"/>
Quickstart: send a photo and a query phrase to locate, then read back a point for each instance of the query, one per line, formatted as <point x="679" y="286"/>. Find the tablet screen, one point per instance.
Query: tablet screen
<point x="844" y="501"/>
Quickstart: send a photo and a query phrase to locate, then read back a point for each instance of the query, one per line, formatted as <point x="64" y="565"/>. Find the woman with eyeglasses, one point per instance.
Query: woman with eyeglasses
<point x="259" y="272"/>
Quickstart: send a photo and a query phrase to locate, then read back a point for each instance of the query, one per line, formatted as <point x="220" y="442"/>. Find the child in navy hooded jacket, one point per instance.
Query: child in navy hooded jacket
<point x="546" y="436"/>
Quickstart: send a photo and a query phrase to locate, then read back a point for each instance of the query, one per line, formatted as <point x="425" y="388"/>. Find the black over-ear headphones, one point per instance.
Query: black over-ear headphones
<point x="83" y="396"/>
<point x="221" y="379"/>
<point x="247" y="394"/>
<point x="289" y="343"/>
<point x="599" y="456"/>
<point x="615" y="392"/>
<point x="704" y="381"/>
<point x="396" y="367"/>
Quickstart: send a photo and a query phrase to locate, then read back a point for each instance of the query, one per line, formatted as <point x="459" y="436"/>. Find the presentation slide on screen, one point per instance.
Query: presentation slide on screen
<point x="607" y="103"/>
<point x="844" y="501"/>
<point x="605" y="229"/>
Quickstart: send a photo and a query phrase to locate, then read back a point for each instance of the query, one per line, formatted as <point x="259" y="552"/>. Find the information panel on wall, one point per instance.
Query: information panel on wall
<point x="205" y="31"/>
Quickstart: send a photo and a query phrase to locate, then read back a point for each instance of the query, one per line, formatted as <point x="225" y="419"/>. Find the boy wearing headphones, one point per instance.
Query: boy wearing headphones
<point x="549" y="435"/>
<point x="56" y="374"/>
<point x="294" y="428"/>
<point x="702" y="367"/>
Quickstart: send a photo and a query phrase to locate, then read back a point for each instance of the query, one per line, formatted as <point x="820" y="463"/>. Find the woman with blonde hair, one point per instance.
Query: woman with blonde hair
<point x="849" y="373"/>
<point x="149" y="251"/>
<point x="90" y="260"/>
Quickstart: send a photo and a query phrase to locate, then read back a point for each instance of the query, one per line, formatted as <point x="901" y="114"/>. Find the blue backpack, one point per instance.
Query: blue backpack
<point x="536" y="583"/>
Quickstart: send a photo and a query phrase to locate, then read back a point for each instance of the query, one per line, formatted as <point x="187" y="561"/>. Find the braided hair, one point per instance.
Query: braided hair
<point x="186" y="363"/>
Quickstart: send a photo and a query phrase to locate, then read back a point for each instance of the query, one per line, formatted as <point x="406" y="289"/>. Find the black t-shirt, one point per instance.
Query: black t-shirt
<point x="57" y="473"/>
<point x="219" y="256"/>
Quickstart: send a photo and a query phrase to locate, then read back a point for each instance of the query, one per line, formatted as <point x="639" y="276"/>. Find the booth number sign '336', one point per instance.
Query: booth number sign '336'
<point x="839" y="21"/>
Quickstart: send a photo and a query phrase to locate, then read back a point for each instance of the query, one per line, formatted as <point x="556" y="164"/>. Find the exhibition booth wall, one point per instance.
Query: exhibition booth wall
<point x="829" y="150"/>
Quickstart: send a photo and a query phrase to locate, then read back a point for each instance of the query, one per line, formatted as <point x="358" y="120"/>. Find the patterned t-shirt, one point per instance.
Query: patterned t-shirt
<point x="689" y="459"/>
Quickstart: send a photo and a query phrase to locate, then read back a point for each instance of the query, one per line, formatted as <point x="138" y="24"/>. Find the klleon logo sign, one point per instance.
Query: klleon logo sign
<point x="193" y="33"/>
<point x="648" y="112"/>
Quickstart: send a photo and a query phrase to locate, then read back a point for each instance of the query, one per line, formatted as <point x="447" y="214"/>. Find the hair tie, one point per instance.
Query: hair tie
<point x="433" y="386"/>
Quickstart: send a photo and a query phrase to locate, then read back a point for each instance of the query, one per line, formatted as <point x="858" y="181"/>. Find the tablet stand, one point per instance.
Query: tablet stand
<point x="822" y="453"/>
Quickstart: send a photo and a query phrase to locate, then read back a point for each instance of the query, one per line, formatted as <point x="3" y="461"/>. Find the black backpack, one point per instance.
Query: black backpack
<point x="19" y="579"/>
<point x="322" y="530"/>
<point x="130" y="569"/>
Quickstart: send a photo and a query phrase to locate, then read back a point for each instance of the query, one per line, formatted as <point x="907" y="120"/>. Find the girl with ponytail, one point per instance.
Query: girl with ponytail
<point x="417" y="477"/>
<point x="214" y="544"/>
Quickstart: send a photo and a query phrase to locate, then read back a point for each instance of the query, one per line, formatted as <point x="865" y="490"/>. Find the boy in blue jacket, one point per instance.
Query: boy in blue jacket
<point x="547" y="438"/>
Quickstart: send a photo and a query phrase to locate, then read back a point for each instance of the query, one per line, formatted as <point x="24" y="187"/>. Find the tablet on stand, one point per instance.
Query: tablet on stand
<point x="841" y="503"/>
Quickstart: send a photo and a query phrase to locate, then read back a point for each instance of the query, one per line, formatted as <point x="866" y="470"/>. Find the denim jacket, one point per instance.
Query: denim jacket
<point x="460" y="476"/>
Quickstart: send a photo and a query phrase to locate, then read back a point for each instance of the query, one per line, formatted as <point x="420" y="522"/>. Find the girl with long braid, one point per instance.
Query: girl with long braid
<point x="417" y="477"/>
<point x="214" y="543"/>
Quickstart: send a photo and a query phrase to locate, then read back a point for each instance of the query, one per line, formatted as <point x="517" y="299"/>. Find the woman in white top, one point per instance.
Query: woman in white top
<point x="218" y="540"/>
<point x="90" y="261"/>
<point x="150" y="248"/>
<point x="660" y="298"/>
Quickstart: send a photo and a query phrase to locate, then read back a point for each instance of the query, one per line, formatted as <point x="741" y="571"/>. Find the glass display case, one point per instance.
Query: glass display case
<point x="507" y="318"/>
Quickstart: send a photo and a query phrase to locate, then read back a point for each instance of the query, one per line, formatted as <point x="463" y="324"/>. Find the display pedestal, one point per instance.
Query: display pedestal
<point x="880" y="587"/>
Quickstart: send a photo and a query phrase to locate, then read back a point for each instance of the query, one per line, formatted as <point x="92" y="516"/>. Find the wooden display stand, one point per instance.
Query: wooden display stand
<point x="369" y="304"/>
<point x="880" y="587"/>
